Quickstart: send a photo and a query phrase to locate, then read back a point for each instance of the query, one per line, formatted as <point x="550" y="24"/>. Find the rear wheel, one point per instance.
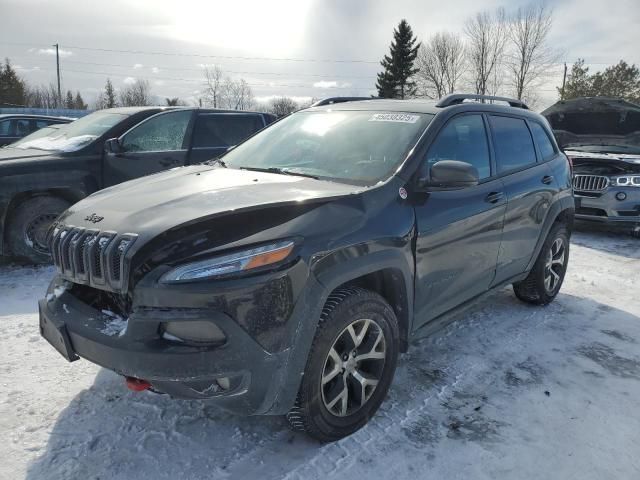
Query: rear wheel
<point x="350" y="367"/>
<point x="546" y="277"/>
<point x="29" y="224"/>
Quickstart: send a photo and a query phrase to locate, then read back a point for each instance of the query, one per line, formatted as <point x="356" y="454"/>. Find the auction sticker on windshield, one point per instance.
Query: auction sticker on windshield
<point x="394" y="117"/>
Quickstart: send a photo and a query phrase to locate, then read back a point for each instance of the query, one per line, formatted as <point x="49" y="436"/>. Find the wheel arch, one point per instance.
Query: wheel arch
<point x="68" y="194"/>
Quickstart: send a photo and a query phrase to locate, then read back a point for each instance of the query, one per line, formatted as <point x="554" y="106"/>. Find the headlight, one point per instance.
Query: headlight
<point x="626" y="181"/>
<point x="232" y="263"/>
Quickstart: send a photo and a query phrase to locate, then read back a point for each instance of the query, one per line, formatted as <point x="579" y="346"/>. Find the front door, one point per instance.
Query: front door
<point x="459" y="231"/>
<point x="159" y="143"/>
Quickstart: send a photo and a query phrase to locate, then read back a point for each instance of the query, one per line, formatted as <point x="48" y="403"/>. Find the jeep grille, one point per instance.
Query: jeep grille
<point x="92" y="257"/>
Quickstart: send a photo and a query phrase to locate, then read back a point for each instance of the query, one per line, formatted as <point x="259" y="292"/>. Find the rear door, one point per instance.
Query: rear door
<point x="459" y="231"/>
<point x="215" y="133"/>
<point x="529" y="186"/>
<point x="158" y="143"/>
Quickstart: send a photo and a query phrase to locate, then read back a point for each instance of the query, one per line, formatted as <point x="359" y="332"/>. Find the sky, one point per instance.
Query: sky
<point x="298" y="48"/>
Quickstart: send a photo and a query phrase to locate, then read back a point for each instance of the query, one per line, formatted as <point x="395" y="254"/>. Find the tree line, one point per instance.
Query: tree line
<point x="497" y="53"/>
<point x="16" y="92"/>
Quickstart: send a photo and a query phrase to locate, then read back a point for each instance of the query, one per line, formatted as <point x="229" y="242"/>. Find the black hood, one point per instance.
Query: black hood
<point x="10" y="153"/>
<point x="595" y="121"/>
<point x="188" y="195"/>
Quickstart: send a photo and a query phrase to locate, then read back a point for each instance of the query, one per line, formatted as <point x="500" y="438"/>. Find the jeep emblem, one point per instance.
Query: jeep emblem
<point x="93" y="218"/>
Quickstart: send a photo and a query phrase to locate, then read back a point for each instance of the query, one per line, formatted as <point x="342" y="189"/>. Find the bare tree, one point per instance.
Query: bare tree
<point x="214" y="86"/>
<point x="441" y="63"/>
<point x="238" y="95"/>
<point x="282" y="106"/>
<point x="530" y="57"/>
<point x="44" y="96"/>
<point x="486" y="34"/>
<point x="136" y="94"/>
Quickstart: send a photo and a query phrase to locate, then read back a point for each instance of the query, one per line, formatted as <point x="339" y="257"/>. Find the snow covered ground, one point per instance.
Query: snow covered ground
<point x="506" y="391"/>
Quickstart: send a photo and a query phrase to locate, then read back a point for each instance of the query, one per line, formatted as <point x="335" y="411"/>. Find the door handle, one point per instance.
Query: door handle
<point x="547" y="179"/>
<point x="494" y="197"/>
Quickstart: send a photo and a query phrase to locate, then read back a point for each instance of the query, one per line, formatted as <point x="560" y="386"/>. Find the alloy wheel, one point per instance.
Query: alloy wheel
<point x="353" y="367"/>
<point x="554" y="265"/>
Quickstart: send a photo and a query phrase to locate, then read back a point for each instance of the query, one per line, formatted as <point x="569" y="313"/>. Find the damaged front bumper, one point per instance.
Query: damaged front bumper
<point x="241" y="375"/>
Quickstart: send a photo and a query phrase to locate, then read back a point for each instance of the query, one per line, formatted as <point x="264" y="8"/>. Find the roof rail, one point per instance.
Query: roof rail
<point x="332" y="100"/>
<point x="457" y="98"/>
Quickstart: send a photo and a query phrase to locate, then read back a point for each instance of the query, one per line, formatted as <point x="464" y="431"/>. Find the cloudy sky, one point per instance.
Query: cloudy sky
<point x="299" y="48"/>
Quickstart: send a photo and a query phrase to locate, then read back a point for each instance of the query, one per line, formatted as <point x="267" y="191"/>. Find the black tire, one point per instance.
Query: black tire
<point x="534" y="288"/>
<point x="355" y="307"/>
<point x="28" y="224"/>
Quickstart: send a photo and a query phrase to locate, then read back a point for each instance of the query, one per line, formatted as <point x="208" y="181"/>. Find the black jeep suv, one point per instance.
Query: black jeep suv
<point x="286" y="278"/>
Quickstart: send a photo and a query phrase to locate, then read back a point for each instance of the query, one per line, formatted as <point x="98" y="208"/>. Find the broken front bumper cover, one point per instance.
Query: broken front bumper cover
<point x="77" y="330"/>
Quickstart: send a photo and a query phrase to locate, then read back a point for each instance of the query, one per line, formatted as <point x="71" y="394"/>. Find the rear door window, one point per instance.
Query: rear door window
<point x="224" y="129"/>
<point x="512" y="143"/>
<point x="542" y="141"/>
<point x="464" y="139"/>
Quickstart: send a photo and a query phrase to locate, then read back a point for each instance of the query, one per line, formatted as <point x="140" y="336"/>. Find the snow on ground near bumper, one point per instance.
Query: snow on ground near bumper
<point x="507" y="391"/>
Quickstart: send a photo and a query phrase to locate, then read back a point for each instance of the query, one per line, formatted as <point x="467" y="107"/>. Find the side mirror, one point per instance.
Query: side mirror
<point x="113" y="145"/>
<point x="450" y="174"/>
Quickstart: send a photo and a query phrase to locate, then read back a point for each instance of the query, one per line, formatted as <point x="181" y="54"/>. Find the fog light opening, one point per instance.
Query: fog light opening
<point x="198" y="332"/>
<point x="224" y="383"/>
<point x="621" y="196"/>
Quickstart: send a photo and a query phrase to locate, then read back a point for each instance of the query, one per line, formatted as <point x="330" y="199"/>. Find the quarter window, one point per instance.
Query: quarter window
<point x="542" y="140"/>
<point x="165" y="132"/>
<point x="464" y="139"/>
<point x="513" y="143"/>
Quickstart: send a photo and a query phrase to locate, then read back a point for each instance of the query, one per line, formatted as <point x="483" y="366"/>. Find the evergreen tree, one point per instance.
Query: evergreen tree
<point x="79" y="102"/>
<point x="69" y="103"/>
<point x="620" y="81"/>
<point x="395" y="81"/>
<point x="12" y="87"/>
<point x="109" y="95"/>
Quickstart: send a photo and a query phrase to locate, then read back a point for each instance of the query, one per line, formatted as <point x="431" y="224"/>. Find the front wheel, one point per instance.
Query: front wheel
<point x="350" y="367"/>
<point x="28" y="226"/>
<point x="546" y="277"/>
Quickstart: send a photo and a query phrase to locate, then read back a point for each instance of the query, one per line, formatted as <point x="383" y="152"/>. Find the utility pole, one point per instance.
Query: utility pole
<point x="58" y="70"/>
<point x="564" y="80"/>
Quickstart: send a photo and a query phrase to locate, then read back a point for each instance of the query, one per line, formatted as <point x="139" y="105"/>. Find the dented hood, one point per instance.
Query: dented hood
<point x="183" y="196"/>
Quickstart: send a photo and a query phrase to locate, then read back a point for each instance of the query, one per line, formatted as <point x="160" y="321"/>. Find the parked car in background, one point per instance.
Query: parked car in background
<point x="13" y="127"/>
<point x="287" y="277"/>
<point x="42" y="176"/>
<point x="601" y="136"/>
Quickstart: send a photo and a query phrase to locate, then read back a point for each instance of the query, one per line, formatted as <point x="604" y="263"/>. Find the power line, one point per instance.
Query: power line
<point x="201" y="81"/>
<point x="201" y="69"/>
<point x="229" y="57"/>
<point x="232" y="57"/>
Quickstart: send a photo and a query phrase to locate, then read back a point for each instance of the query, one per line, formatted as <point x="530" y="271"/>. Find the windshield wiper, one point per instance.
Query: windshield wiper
<point x="279" y="171"/>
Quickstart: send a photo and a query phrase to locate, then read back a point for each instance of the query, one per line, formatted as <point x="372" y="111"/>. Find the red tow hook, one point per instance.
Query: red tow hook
<point x="136" y="384"/>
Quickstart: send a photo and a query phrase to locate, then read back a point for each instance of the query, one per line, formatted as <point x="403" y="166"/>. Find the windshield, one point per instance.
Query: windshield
<point x="361" y="147"/>
<point x="75" y="135"/>
<point x="43" y="132"/>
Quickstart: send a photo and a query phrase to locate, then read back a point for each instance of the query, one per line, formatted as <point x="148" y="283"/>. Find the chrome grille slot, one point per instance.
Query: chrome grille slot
<point x="92" y="257"/>
<point x="590" y="183"/>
